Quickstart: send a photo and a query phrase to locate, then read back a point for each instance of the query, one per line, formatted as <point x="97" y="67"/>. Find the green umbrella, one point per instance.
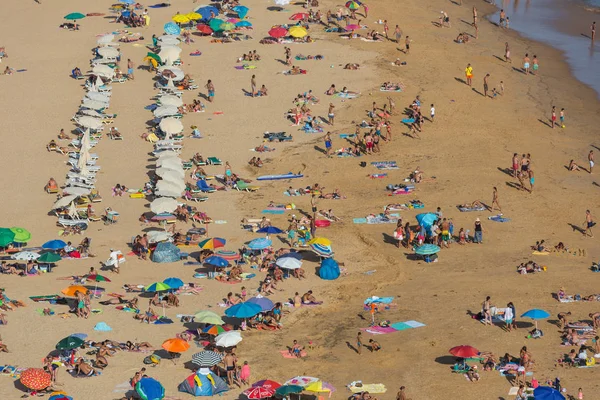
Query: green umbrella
<point x="286" y="390"/>
<point x="215" y="24"/>
<point x="68" y="343"/>
<point x="74" y="16"/>
<point x="21" y="235"/>
<point x="227" y="26"/>
<point x="49" y="258"/>
<point x="6" y="237"/>
<point x="154" y="56"/>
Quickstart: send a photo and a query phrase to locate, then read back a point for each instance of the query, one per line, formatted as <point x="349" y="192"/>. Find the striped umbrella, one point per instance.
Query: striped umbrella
<point x="157" y="287"/>
<point x="212" y="243"/>
<point x="207" y="358"/>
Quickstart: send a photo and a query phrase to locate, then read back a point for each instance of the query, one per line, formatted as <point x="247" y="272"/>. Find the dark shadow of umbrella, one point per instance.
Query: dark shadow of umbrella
<point x="190" y="366"/>
<point x="446" y="360"/>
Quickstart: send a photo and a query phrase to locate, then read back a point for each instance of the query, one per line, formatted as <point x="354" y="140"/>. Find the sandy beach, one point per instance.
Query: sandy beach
<point x="467" y="149"/>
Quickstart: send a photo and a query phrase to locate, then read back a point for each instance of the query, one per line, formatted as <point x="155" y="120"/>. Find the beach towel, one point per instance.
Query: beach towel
<point x="245" y="66"/>
<point x="498" y="218"/>
<point x="401" y="191"/>
<point x="286" y="354"/>
<point x="382" y="89"/>
<point x="377" y="176"/>
<point x="50" y="298"/>
<point x="379" y="330"/>
<point x="470" y="209"/>
<point x="159" y="5"/>
<point x="371" y="40"/>
<point x="162" y="321"/>
<point x="368" y="387"/>
<point x="266" y="211"/>
<point x="196" y="53"/>
<point x="541" y="253"/>
<point x="347" y="135"/>
<point x="346" y="95"/>
<point x="408" y="120"/>
<point x="41" y="311"/>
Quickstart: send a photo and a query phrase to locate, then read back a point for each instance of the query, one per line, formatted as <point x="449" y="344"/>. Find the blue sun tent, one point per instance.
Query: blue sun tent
<point x="329" y="270"/>
<point x="203" y="383"/>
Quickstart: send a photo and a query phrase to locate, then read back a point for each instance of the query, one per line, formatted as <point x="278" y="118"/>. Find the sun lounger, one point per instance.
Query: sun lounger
<point x="82" y="223"/>
<point x="203" y="186"/>
<point x="214" y="161"/>
<point x="243" y="186"/>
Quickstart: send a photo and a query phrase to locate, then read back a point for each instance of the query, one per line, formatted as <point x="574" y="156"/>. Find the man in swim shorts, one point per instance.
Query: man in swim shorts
<point x="330" y="114"/>
<point x="327" y="140"/>
<point x="526" y="64"/>
<point x="591" y="160"/>
<point x="211" y="90"/>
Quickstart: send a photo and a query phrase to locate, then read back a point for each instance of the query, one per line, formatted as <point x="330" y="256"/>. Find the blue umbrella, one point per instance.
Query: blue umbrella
<point x="171" y="28"/>
<point x="175" y="283"/>
<point x="128" y="2"/>
<point x="427" y="249"/>
<point x="260" y="244"/>
<point x="157" y="287"/>
<point x="547" y="393"/>
<point x="217" y="261"/>
<point x="206" y="10"/>
<point x="126" y="14"/>
<point x="150" y="389"/>
<point x="54" y="245"/>
<point x="270" y="230"/>
<point x="535" y="314"/>
<point x="243" y="310"/>
<point x="241" y="11"/>
<point x="264" y="303"/>
<point x="245" y="24"/>
<point x="426" y="220"/>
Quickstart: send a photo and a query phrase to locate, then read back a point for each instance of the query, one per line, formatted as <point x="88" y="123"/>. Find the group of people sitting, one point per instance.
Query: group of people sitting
<point x="530" y="267"/>
<point x="251" y="56"/>
<point x="256" y="162"/>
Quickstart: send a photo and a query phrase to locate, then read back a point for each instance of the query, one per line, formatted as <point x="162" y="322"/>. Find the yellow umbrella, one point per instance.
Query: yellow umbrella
<point x="194" y="16"/>
<point x="151" y="61"/>
<point x="317" y="387"/>
<point x="320" y="240"/>
<point x="298" y="31"/>
<point x="180" y="19"/>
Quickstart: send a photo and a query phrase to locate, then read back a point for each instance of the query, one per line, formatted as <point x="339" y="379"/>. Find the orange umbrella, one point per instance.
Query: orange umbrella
<point x="175" y="345"/>
<point x="70" y="291"/>
<point x="36" y="379"/>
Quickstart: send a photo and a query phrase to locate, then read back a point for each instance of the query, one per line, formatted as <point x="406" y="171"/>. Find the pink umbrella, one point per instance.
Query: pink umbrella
<point x="233" y="20"/>
<point x="352" y="27"/>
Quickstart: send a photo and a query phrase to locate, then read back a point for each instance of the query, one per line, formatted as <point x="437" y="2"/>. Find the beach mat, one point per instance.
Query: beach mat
<point x="273" y="211"/>
<point x="470" y="209"/>
<point x="369" y="387"/>
<point x="286" y="354"/>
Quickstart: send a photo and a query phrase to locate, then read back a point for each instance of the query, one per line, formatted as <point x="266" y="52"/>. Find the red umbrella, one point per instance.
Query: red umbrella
<point x="204" y="29"/>
<point x="464" y="351"/>
<point x="278" y="32"/>
<point x="299" y="16"/>
<point x="259" y="392"/>
<point x="352" y="27"/>
<point x="267" y="383"/>
<point x="36" y="379"/>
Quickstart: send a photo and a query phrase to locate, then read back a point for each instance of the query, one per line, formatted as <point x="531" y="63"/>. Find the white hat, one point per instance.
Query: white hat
<point x="477" y="220"/>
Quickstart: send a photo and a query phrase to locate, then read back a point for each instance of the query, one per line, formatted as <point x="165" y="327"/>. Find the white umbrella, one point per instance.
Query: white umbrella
<point x="289" y="263"/>
<point x="170" y="100"/>
<point x="89" y="122"/>
<point x="169" y="54"/>
<point x="98" y="97"/>
<point x="25" y="255"/>
<point x="171" y="126"/>
<point x="228" y="339"/>
<point x="168" y="154"/>
<point x="158" y="236"/>
<point x="64" y="201"/>
<point x="108" y="52"/>
<point x="164" y="172"/>
<point x="169" y="192"/>
<point x="175" y="182"/>
<point x="105" y="39"/>
<point x="165" y="111"/>
<point x="93" y="104"/>
<point x="163" y="205"/>
<point x="177" y="72"/>
<point x="168" y="40"/>
<point x="77" y="191"/>
<point x="91" y="113"/>
<point x="103" y="70"/>
<point x="171" y="163"/>
<point x="168" y="186"/>
<point x="170" y="175"/>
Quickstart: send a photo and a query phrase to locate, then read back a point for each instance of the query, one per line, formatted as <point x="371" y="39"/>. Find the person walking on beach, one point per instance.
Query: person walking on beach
<point x="432" y="112"/>
<point x="485" y="85"/>
<point x="515" y="164"/>
<point x="507" y="53"/>
<point x="474" y="16"/>
<point x="478" y="235"/>
<point x="495" y="200"/>
<point x="531" y="180"/>
<point x="330" y="114"/>
<point x="591" y="160"/>
<point x="130" y="66"/>
<point x="253" y="85"/>
<point x="589" y="223"/>
<point x="526" y="64"/>
<point x="327" y="140"/>
<point x="211" y="90"/>
<point x="288" y="56"/>
<point x="536" y="65"/>
<point x="469" y="74"/>
<point x="407" y="45"/>
<point x="397" y="33"/>
<point x="502" y="18"/>
<point x="561" y="116"/>
<point x="593" y="30"/>
<point x="386" y="29"/>
<point x="359" y="343"/>
<point x="553" y="116"/>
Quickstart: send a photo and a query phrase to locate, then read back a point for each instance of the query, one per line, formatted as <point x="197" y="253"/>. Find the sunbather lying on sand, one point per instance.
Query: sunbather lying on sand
<point x="390" y="86"/>
<point x="352" y="66"/>
<point x="530" y="267"/>
<point x="133" y="288"/>
<point x="335" y="195"/>
<point x="475" y="204"/>
<point x="462" y="37"/>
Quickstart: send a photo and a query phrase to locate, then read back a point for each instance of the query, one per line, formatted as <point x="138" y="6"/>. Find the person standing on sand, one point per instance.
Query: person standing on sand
<point x="407" y="45"/>
<point x="593" y="30"/>
<point x="359" y="343"/>
<point x="591" y="160"/>
<point x="386" y="28"/>
<point x="526" y="64"/>
<point x="536" y="65"/>
<point x="507" y="53"/>
<point x="502" y="18"/>
<point x="253" y="85"/>
<point x="211" y="90"/>
<point x="469" y="74"/>
<point x="327" y="140"/>
<point x="553" y="116"/>
<point x="515" y="164"/>
<point x="485" y="85"/>
<point x="130" y="66"/>
<point x="589" y="223"/>
<point x="397" y="33"/>
<point x="401" y="395"/>
<point x="330" y="114"/>
<point x="478" y="235"/>
<point x="531" y="180"/>
<point x="474" y="16"/>
<point x="485" y="309"/>
<point x="495" y="200"/>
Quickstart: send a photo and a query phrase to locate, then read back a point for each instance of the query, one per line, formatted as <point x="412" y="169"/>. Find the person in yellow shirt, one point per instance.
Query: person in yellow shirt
<point x="469" y="74"/>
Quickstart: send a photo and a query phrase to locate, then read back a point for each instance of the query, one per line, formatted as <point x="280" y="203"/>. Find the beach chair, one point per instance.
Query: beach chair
<point x="119" y="80"/>
<point x="196" y="197"/>
<point x="214" y="161"/>
<point x="81" y="223"/>
<point x="204" y="187"/>
<point x="243" y="186"/>
<point x="187" y="165"/>
<point x="460" y="368"/>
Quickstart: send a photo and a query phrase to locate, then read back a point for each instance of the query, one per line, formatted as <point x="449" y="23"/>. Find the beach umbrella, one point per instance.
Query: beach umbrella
<point x="227" y="26"/>
<point x="259" y="392"/>
<point x="278" y="32"/>
<point x="106" y="39"/>
<point x="169" y="163"/>
<point x="426" y="220"/>
<point x="89" y="122"/>
<point x="205" y="29"/>
<point x="547" y="393"/>
<point x="212" y="243"/>
<point x="169" y="191"/>
<point x="59" y="396"/>
<point x="25" y="255"/>
<point x="97" y="97"/>
<point x="170" y="187"/>
<point x="6" y="237"/>
<point x="91" y="113"/>
<point x="97" y="278"/>
<point x="171" y="126"/>
<point x="207" y="358"/>
<point x="427" y="249"/>
<point x="243" y="310"/>
<point x="241" y="11"/>
<point x="243" y="24"/>
<point x="216" y="261"/>
<point x="352" y="27"/>
<point x="329" y="270"/>
<point x="286" y="390"/>
<point x="298" y="31"/>
<point x="270" y="230"/>
<point x="150" y="389"/>
<point x="128" y="2"/>
<point x="170" y="100"/>
<point x="293" y="254"/>
<point x="536" y="314"/>
<point x="194" y="16"/>
<point x="166" y="252"/>
<point x="352" y="5"/>
<point x="175" y="345"/>
<point x="215" y="24"/>
<point x="170" y="174"/>
<point x="74" y="16"/>
<point x="208" y="317"/>
<point x="320" y="240"/>
<point x="103" y="70"/>
<point x="49" y="258"/>
<point x="288" y="263"/>
<point x="464" y="351"/>
<point x="69" y="343"/>
<point x="165" y="111"/>
<point x="260" y="244"/>
<point x="160" y="236"/>
<point x="174" y="283"/>
<point x="302" y="381"/>
<point x="56" y="244"/>
<point x="206" y="11"/>
<point x="93" y="104"/>
<point x="70" y="291"/>
<point x="163" y="205"/>
<point x="228" y="339"/>
<point x="157" y="287"/>
<point x="264" y="303"/>
<point x="169" y="40"/>
<point x="154" y="58"/>
<point x="228" y="255"/>
<point x="319" y="387"/>
<point x="170" y="54"/>
<point x="298" y="16"/>
<point x="35" y="379"/>
<point x="64" y="202"/>
<point x="172" y="28"/>
<point x="180" y="19"/>
<point x="323" y="251"/>
<point x="108" y="52"/>
<point x="267" y="383"/>
<point x="75" y="190"/>
<point x="215" y="330"/>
